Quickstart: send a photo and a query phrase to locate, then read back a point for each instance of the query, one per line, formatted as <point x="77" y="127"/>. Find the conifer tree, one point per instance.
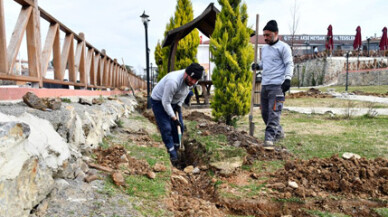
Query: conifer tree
<point x="232" y="55"/>
<point x="158" y="54"/>
<point x="187" y="47"/>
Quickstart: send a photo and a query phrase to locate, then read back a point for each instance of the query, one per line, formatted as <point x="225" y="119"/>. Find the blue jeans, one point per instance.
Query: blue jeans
<point x="167" y="128"/>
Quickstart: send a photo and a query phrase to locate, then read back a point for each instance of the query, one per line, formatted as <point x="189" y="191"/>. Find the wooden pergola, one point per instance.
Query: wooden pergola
<point x="204" y="23"/>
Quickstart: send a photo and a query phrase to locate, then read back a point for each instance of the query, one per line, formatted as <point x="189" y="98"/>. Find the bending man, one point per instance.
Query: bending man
<point x="167" y="98"/>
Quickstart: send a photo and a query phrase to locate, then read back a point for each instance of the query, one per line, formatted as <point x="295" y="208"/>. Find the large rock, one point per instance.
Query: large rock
<point x="228" y="165"/>
<point x="36" y="146"/>
<point x="31" y="151"/>
<point x="34" y="101"/>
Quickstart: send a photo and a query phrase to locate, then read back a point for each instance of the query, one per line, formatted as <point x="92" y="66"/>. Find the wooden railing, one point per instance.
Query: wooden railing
<point x="94" y="68"/>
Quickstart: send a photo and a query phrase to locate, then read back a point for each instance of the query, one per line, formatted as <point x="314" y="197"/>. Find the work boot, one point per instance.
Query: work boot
<point x="268" y="145"/>
<point x="175" y="162"/>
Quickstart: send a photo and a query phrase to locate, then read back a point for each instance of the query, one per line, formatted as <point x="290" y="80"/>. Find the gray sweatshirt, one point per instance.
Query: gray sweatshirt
<point x="277" y="63"/>
<point x="171" y="90"/>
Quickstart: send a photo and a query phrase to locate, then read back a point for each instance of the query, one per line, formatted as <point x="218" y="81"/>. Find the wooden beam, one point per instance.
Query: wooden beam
<point x="57" y="57"/>
<point x="90" y="66"/>
<point x="80" y="61"/>
<point x="18" y="78"/>
<point x="25" y="2"/>
<point x="33" y="44"/>
<point x="17" y="36"/>
<point x="48" y="47"/>
<point x="3" y="41"/>
<point x="71" y="64"/>
<point x="65" y="53"/>
<point x="96" y="69"/>
<point x="171" y="57"/>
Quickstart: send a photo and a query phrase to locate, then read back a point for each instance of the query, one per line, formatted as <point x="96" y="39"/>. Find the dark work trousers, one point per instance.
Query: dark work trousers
<point x="271" y="103"/>
<point x="167" y="128"/>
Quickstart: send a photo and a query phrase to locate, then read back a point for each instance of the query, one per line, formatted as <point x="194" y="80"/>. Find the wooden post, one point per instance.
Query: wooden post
<point x="65" y="54"/>
<point x="57" y="57"/>
<point x="251" y="124"/>
<point x="34" y="48"/>
<point x="171" y="57"/>
<point x="3" y="42"/>
<point x="90" y="67"/>
<point x="48" y="47"/>
<point x="17" y="37"/>
<point x="80" y="60"/>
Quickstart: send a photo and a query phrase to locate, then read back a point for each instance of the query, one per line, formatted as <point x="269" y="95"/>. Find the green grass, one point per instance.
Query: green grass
<point x="109" y="187"/>
<point x="156" y="137"/>
<point x="368" y="89"/>
<point x="309" y="136"/>
<point x="324" y="214"/>
<point x="65" y="100"/>
<point x="331" y="103"/>
<point x="151" y="154"/>
<point x="383" y="212"/>
<point x="264" y="166"/>
<point x="152" y="209"/>
<point x="142" y="186"/>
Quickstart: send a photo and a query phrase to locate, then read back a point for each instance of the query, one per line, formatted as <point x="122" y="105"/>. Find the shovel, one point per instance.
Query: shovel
<point x="181" y="146"/>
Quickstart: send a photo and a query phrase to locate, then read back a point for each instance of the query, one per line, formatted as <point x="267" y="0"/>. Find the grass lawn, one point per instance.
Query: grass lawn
<point x="309" y="136"/>
<point x="332" y="103"/>
<point x="367" y="89"/>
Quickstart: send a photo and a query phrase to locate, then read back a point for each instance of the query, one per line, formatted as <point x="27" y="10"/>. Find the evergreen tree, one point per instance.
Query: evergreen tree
<point x="232" y="55"/>
<point x="158" y="54"/>
<point x="187" y="47"/>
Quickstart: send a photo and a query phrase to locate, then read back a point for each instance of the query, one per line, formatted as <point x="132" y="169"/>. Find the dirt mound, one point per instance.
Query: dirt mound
<point x="196" y="116"/>
<point x="311" y="93"/>
<point x="117" y="158"/>
<point x="355" y="178"/>
<point x="192" y="195"/>
<point x="253" y="146"/>
<point x="359" y="92"/>
<point x="149" y="114"/>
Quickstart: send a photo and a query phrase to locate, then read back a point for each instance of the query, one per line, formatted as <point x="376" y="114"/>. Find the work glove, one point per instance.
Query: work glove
<point x="286" y="85"/>
<point x="178" y="123"/>
<point x="255" y="67"/>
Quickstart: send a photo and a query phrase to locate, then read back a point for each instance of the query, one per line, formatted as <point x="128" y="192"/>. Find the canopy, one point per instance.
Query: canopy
<point x="384" y="40"/>
<point x="329" y="38"/>
<point x="357" y="40"/>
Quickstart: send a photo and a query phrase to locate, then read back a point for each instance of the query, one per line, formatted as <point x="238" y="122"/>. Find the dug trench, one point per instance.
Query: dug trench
<point x="353" y="187"/>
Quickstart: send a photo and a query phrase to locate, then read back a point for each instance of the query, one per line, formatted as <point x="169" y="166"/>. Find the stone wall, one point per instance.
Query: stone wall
<point x="37" y="147"/>
<point x="368" y="77"/>
<point x="328" y="71"/>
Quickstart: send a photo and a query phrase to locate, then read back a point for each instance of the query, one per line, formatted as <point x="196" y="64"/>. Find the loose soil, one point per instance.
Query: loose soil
<point x="359" y="92"/>
<point x="310" y="93"/>
<point x="353" y="187"/>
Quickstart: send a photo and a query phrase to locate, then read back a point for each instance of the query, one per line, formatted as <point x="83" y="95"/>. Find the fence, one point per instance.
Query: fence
<point x="87" y="67"/>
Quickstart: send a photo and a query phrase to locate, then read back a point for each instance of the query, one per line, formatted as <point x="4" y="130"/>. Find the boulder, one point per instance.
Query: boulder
<point x="34" y="101"/>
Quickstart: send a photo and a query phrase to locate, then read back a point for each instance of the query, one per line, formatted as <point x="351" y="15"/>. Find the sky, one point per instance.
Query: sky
<point x="116" y="26"/>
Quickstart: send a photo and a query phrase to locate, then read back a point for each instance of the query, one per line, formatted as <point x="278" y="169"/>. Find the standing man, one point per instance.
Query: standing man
<point x="167" y="99"/>
<point x="278" y="67"/>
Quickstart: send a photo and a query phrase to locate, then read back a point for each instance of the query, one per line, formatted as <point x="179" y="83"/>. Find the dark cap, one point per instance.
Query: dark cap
<point x="195" y="71"/>
<point x="272" y="26"/>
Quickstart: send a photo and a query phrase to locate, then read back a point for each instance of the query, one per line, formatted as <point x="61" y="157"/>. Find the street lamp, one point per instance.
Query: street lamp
<point x="144" y="18"/>
<point x="368" y="39"/>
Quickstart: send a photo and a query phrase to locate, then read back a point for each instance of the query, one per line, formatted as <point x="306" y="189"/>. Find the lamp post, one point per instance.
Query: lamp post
<point x="347" y="71"/>
<point x="297" y="66"/>
<point x="144" y="18"/>
<point x="368" y="40"/>
<point x="152" y="77"/>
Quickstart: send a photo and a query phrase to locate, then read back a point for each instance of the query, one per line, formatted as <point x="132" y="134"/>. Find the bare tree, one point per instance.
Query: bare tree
<point x="295" y="22"/>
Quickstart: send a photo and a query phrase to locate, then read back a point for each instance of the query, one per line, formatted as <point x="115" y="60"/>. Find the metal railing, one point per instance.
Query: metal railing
<point x="94" y="68"/>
